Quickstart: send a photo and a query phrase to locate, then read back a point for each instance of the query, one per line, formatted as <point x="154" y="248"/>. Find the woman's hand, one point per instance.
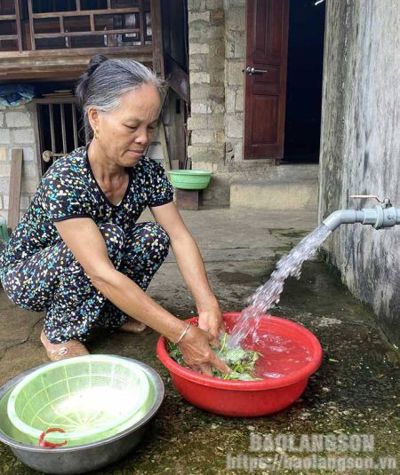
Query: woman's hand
<point x="197" y="353"/>
<point x="211" y="321"/>
<point x="191" y="265"/>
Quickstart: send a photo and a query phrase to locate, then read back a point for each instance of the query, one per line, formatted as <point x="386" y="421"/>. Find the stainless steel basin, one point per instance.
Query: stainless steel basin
<point x="83" y="458"/>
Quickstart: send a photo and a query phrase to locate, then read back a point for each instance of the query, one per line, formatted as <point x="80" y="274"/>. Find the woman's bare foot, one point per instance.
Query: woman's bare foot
<point x="62" y="351"/>
<point x="133" y="326"/>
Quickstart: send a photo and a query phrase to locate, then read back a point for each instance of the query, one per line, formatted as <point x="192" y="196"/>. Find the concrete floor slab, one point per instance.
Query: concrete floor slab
<point x="356" y="390"/>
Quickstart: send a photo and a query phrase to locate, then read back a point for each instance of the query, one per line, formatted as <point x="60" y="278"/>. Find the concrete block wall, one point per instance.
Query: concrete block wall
<point x="17" y="131"/>
<point x="206" y="65"/>
<point x="207" y="89"/>
<point x="235" y="57"/>
<point x="207" y="68"/>
<point x="217" y="55"/>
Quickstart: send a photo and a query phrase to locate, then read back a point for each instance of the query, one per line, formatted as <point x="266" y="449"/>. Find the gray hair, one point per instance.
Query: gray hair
<point x="106" y="80"/>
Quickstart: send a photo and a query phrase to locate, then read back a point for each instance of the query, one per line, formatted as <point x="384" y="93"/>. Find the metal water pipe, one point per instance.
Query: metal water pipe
<point x="383" y="215"/>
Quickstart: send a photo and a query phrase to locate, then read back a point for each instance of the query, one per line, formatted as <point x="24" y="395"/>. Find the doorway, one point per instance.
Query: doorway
<point x="283" y="85"/>
<point x="304" y="81"/>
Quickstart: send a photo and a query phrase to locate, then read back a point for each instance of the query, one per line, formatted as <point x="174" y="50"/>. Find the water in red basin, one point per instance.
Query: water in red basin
<point x="290" y="354"/>
<point x="281" y="356"/>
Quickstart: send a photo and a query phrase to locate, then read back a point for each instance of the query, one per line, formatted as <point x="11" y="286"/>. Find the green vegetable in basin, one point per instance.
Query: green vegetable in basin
<point x="241" y="362"/>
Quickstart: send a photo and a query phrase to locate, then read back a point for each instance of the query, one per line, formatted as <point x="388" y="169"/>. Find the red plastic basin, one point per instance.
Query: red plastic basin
<point x="253" y="398"/>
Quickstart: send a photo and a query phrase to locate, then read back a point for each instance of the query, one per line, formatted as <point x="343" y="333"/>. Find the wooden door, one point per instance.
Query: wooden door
<point x="265" y="83"/>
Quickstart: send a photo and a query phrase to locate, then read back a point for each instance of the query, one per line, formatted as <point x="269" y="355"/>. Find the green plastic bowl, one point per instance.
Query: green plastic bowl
<point x="189" y="179"/>
<point x="89" y="398"/>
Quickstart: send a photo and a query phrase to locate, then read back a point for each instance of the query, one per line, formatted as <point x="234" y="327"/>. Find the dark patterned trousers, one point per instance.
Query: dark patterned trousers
<point x="54" y="281"/>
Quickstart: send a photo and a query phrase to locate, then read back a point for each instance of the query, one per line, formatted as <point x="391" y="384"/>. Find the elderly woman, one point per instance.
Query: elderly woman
<point x="78" y="253"/>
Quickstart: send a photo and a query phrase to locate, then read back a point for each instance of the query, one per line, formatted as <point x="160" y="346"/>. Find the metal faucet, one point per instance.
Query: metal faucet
<point x="383" y="215"/>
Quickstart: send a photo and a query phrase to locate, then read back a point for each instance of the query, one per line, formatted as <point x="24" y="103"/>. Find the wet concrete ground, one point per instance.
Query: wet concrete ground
<point x="356" y="391"/>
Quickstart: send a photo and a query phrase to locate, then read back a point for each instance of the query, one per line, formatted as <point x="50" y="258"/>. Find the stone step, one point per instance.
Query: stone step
<point x="282" y="188"/>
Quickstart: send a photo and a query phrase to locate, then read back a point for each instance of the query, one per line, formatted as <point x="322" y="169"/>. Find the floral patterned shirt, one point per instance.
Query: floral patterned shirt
<point x="69" y="190"/>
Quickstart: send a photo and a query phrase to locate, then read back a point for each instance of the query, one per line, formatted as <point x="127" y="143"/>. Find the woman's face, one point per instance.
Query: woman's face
<point x="124" y="133"/>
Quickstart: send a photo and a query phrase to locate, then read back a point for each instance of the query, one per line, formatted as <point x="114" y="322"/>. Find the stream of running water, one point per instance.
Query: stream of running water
<point x="268" y="294"/>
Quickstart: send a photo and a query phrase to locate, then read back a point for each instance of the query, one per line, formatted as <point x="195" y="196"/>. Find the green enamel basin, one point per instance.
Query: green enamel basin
<point x="86" y="399"/>
<point x="190" y="179"/>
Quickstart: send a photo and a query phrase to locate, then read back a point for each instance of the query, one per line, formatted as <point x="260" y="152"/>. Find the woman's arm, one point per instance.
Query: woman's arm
<point x="191" y="266"/>
<point x="86" y="243"/>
